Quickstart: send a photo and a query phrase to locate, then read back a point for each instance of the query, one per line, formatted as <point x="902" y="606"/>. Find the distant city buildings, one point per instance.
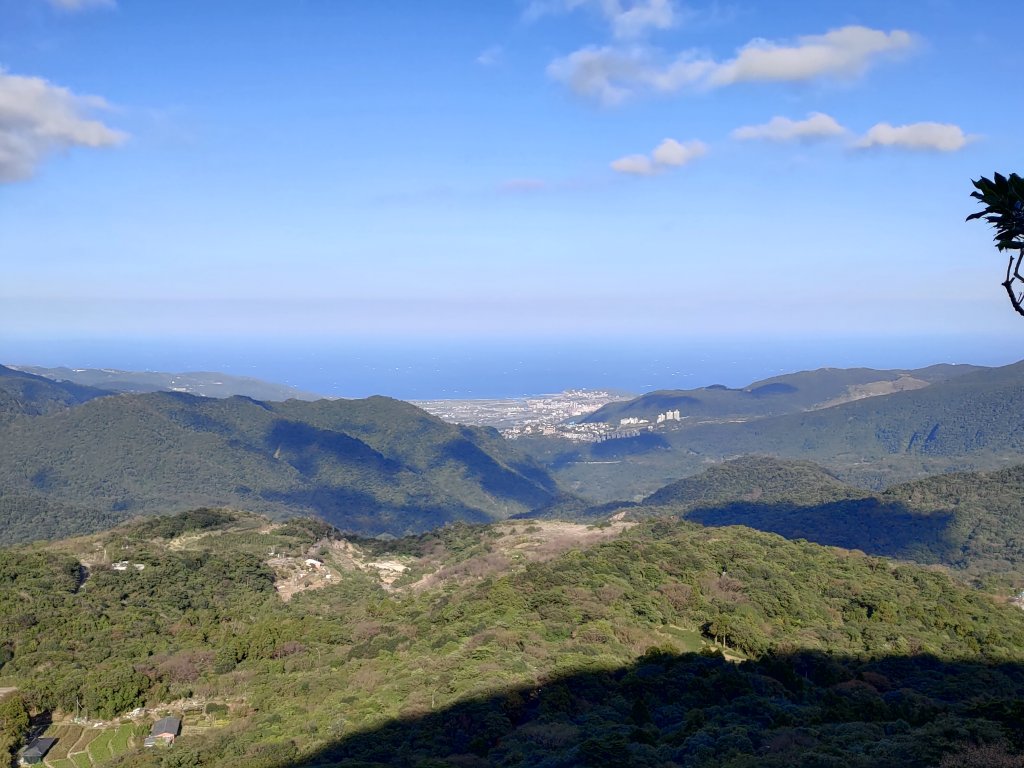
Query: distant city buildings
<point x="547" y="416"/>
<point x="513" y="415"/>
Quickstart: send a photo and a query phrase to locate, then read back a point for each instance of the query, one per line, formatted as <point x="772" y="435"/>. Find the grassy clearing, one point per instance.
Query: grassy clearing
<point x="690" y="639"/>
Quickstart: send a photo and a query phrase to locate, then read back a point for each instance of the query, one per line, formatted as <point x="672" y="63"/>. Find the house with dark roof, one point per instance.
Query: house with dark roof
<point x="164" y="732"/>
<point x="36" y="750"/>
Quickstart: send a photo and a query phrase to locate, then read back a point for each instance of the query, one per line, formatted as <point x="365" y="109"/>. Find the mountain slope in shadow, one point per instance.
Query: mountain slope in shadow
<point x="971" y="521"/>
<point x="370" y="466"/>
<point x="800" y="709"/>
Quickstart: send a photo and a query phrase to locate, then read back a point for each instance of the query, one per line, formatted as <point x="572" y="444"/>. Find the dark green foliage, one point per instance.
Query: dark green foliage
<point x="34" y="516"/>
<point x="971" y="421"/>
<point x="175" y="525"/>
<point x="14" y="725"/>
<point x="971" y="521"/>
<point x="1003" y="199"/>
<point x="802" y="709"/>
<point x="756" y="479"/>
<point x="370" y="466"/>
<point x="28" y="394"/>
<point x="789" y="393"/>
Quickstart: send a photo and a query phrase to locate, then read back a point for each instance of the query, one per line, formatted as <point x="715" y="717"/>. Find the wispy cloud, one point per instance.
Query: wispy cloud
<point x="668" y="154"/>
<point x="611" y="74"/>
<point x="817" y="126"/>
<point x="629" y="19"/>
<point x="81" y="5"/>
<point x="490" y="56"/>
<point x="635" y="165"/>
<point x="935" y="137"/>
<point x="38" y="118"/>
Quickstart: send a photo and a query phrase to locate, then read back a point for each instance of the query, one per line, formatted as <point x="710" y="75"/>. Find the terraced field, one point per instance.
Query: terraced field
<point x="83" y="747"/>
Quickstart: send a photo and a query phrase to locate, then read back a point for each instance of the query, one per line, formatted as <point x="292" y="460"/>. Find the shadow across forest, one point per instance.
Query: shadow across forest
<point x="891" y="529"/>
<point x="802" y="709"/>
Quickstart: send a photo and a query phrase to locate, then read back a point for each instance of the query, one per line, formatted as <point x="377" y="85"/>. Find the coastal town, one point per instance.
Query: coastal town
<point x="552" y="415"/>
<point x="514" y="414"/>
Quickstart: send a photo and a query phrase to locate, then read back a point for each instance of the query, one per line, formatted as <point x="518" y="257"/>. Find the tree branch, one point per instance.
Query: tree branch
<point x="1013" y="273"/>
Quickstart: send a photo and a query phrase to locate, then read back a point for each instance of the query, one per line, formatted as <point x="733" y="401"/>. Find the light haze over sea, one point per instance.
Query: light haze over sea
<point x="482" y="368"/>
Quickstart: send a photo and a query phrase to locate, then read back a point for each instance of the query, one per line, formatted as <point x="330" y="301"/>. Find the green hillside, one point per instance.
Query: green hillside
<point x="761" y="479"/>
<point x="974" y="421"/>
<point x="202" y="383"/>
<point x="372" y="466"/>
<point x="972" y="522"/>
<point x="975" y="413"/>
<point x="789" y="393"/>
<point x="28" y="394"/>
<point x="514" y="644"/>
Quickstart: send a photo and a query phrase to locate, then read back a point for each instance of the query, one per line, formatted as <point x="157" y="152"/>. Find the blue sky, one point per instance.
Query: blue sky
<point x="544" y="168"/>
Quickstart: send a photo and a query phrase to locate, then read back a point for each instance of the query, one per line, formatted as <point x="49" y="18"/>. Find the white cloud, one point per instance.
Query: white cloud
<point x="668" y="154"/>
<point x="38" y="118"/>
<point x="673" y="153"/>
<point x="81" y="5"/>
<point x="629" y="19"/>
<point x="845" y="52"/>
<point x="612" y="74"/>
<point x="936" y="137"/>
<point x="635" y="20"/>
<point x="602" y="74"/>
<point x="816" y="126"/>
<point x="636" y="165"/>
<point x="490" y="56"/>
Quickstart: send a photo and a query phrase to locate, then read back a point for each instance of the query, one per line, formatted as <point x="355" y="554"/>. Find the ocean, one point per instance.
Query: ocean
<point x="493" y="368"/>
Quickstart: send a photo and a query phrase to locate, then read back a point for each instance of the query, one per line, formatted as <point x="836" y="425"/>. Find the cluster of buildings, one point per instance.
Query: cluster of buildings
<point x="124" y="565"/>
<point x="545" y="411"/>
<point x="546" y="416"/>
<point x="661" y="419"/>
<point x="584" y="433"/>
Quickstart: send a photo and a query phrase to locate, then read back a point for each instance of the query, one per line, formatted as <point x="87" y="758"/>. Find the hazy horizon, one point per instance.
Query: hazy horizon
<point x="455" y="368"/>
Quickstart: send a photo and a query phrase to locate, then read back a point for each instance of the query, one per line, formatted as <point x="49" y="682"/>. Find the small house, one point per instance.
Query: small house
<point x="36" y="750"/>
<point x="164" y="732"/>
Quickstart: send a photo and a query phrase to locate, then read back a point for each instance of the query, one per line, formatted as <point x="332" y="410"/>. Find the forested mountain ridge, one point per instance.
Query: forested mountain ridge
<point x="971" y="421"/>
<point x="778" y="395"/>
<point x="972" y="522"/>
<point x="371" y="466"/>
<point x="757" y="479"/>
<point x="575" y="655"/>
<point x="27" y="394"/>
<point x="202" y="383"/>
